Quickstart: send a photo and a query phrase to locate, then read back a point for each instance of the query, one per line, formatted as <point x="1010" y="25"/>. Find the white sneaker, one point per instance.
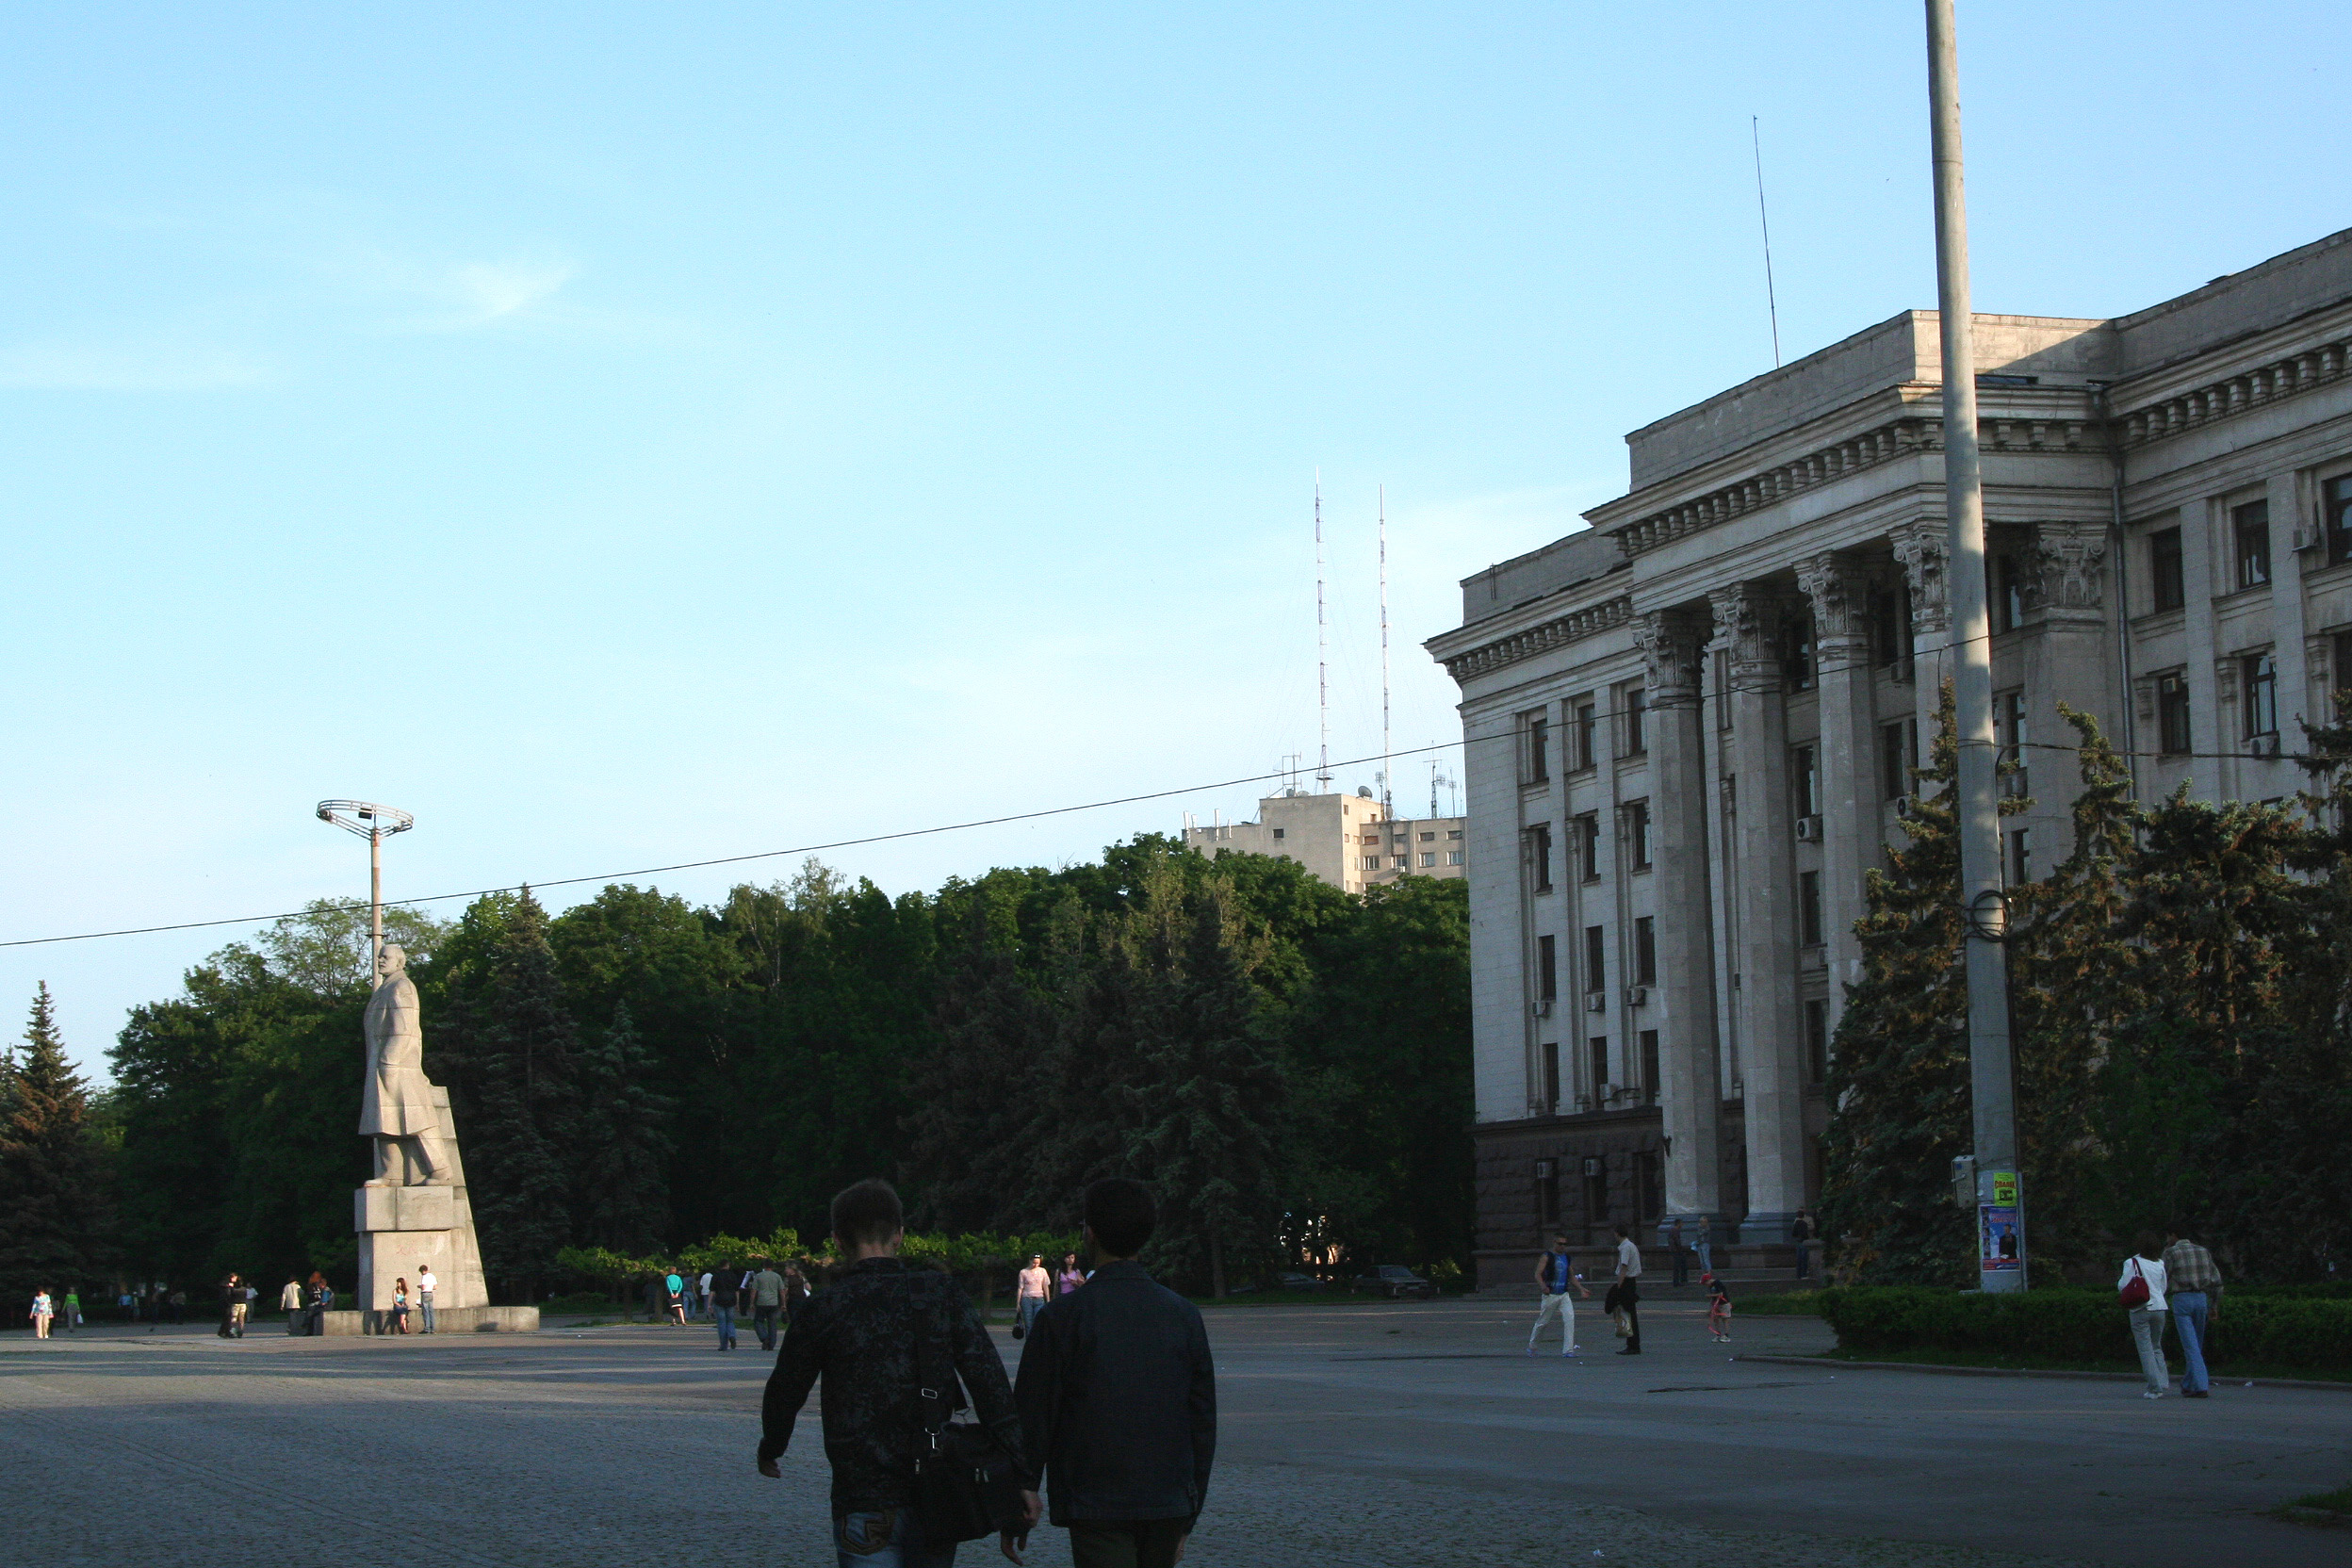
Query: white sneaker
<point x="2152" y="1393"/>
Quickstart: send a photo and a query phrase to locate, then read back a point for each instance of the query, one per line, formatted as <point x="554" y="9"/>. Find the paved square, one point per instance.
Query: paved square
<point x="1414" y="1433"/>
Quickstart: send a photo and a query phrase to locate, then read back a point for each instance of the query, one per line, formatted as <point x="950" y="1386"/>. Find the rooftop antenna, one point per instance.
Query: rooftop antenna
<point x="374" y="823"/>
<point x="1755" y="140"/>
<point x="1388" y="808"/>
<point x="1322" y="662"/>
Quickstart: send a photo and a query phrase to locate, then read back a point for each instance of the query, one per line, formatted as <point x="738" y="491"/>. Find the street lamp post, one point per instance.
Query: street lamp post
<point x="375" y="823"/>
<point x="2001" y="1214"/>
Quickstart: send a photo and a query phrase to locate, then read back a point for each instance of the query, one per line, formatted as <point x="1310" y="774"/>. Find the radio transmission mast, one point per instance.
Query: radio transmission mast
<point x="1388" y="806"/>
<point x="1322" y="655"/>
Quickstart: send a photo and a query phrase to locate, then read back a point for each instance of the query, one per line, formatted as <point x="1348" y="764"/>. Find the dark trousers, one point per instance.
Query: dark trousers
<point x="1629" y="1298"/>
<point x="1126" y="1543"/>
<point x="763" y="1324"/>
<point x="1682" y="1267"/>
<point x="1803" y="1247"/>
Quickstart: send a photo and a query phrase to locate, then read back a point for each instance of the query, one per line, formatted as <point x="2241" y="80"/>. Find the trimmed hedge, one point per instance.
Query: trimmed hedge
<point x="2078" y="1324"/>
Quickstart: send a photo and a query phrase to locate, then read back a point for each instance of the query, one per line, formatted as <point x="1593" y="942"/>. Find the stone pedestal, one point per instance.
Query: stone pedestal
<point x="403" y="1230"/>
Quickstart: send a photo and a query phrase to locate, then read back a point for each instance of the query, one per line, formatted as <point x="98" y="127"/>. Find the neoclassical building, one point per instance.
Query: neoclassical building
<point x="1688" y="727"/>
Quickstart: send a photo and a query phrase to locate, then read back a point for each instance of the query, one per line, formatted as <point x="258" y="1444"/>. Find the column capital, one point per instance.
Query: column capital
<point x="1922" y="550"/>
<point x="1673" y="643"/>
<point x="1837" y="588"/>
<point x="2068" y="559"/>
<point x="1748" y="617"/>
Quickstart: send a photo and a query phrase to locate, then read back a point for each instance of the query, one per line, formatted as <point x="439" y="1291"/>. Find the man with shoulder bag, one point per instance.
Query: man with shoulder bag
<point x="897" y="1345"/>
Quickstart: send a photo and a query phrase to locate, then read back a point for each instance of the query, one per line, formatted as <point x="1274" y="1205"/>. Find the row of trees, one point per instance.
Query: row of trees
<point x="55" y="1219"/>
<point x="2182" y="1013"/>
<point x="1287" y="1064"/>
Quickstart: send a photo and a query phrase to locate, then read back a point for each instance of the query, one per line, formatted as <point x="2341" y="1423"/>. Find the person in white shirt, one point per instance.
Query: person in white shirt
<point x="1037" y="1288"/>
<point x="1628" y="1291"/>
<point x="291" y="1300"/>
<point x="2147" y="1319"/>
<point x="427" y="1282"/>
<point x="42" y="1311"/>
<point x="703" y="1285"/>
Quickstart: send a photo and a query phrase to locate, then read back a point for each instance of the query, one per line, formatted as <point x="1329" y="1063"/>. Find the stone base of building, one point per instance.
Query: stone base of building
<point x="445" y="1321"/>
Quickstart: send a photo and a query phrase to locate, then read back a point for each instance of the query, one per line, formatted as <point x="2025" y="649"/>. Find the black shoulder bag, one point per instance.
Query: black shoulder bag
<point x="966" y="1485"/>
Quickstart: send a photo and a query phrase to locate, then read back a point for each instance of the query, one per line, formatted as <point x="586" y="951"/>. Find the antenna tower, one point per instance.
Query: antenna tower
<point x="1322" y="658"/>
<point x="1388" y="808"/>
<point x="1755" y="140"/>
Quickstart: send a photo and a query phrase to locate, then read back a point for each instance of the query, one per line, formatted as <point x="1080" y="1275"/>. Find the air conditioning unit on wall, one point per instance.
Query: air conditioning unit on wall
<point x="1597" y="1002"/>
<point x="1636" y="995"/>
<point x="2308" y="539"/>
<point x="1540" y="1006"/>
<point x="1809" y="829"/>
<point x="2263" y="745"/>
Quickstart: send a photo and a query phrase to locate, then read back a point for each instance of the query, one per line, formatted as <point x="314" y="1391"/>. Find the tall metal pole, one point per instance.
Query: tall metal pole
<point x="1388" y="762"/>
<point x="375" y="899"/>
<point x="2000" y="1228"/>
<point x="1322" y="651"/>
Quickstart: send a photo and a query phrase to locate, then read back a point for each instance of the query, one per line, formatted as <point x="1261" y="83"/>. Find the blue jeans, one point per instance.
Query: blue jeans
<point x="1030" y="1307"/>
<point x="888" y="1540"/>
<point x="2188" y="1320"/>
<point x="424" y="1304"/>
<point x="1705" y="1251"/>
<point x="725" y="1318"/>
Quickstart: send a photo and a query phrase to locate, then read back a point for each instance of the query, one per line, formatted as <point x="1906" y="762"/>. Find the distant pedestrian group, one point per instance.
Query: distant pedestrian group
<point x="2175" y="1281"/>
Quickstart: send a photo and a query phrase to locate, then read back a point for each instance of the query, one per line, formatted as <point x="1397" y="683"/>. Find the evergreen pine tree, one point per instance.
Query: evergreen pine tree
<point x="52" y="1202"/>
<point x="975" y="1091"/>
<point x="620" y="1144"/>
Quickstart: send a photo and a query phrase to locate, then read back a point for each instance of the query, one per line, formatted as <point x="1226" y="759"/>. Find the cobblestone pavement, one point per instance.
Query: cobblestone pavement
<point x="1357" y="1434"/>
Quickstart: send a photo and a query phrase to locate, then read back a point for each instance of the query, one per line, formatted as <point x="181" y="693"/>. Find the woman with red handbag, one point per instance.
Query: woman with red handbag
<point x="2141" y="1290"/>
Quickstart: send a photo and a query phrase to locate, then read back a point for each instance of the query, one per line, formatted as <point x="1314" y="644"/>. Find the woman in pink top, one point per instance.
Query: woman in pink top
<point x="1071" y="1277"/>
<point x="1035" y="1285"/>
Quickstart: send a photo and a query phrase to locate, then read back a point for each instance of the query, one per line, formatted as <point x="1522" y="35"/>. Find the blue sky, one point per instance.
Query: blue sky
<point x="633" y="434"/>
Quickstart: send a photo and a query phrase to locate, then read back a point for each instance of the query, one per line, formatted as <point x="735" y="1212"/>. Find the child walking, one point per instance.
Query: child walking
<point x="1718" y="1308"/>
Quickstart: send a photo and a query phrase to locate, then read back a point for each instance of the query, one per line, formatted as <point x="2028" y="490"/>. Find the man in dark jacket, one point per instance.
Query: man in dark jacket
<point x="860" y="1336"/>
<point x="1118" y="1399"/>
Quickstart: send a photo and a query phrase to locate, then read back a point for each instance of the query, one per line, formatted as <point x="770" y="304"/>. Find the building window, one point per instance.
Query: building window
<point x="1454" y="833"/>
<point x="2009" y="736"/>
<point x="1547" y="968"/>
<point x="1638" y="833"/>
<point x="1796" y="665"/>
<point x="1804" y="767"/>
<point x="1539" y="733"/>
<point x="1371" y="862"/>
<point x="1597" y="1049"/>
<point x="1596" y="1176"/>
<point x="1898" y="754"/>
<point x="1551" y="1103"/>
<point x="1589" y="847"/>
<point x="2164" y="568"/>
<point x="1453" y="857"/>
<point x="1809" y="907"/>
<point x="1890" y="626"/>
<point x="2006" y="582"/>
<point x="2172" y="713"/>
<point x="2261" y="695"/>
<point x="1588" y="733"/>
<point x="2249" y="525"/>
<point x="1428" y="837"/>
<point x="1397" y="862"/>
<point x="1429" y="857"/>
<point x="1540" y="852"/>
<point x="1649" y="1066"/>
<point x="1645" y="951"/>
<point x="1595" y="954"/>
<point x="1637" y="722"/>
<point x="1649" y="1186"/>
<point x="2020" y="857"/>
<point x="2336" y="507"/>
<point x="1816" y="1042"/>
<point x="1278" y="832"/>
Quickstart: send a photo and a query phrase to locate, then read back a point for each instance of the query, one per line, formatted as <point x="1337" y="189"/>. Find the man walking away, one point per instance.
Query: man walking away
<point x="1629" y="1290"/>
<point x="290" y="1302"/>
<point x="233" y="1308"/>
<point x="2195" y="1296"/>
<point x="767" y="1298"/>
<point x="1118" y="1400"/>
<point x="427" y="1282"/>
<point x="1674" y="1251"/>
<point x="2147" y="1318"/>
<point x="1555" y="1272"/>
<point x="724" y="1289"/>
<point x="861" y="1337"/>
<point x="72" y="1308"/>
<point x="1801" y="1232"/>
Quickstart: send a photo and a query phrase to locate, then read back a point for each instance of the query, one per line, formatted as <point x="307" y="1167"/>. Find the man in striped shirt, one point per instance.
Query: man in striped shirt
<point x="2192" y="1289"/>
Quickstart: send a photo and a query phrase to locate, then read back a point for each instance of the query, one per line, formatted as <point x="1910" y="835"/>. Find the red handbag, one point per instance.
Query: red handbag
<point x="2135" y="1291"/>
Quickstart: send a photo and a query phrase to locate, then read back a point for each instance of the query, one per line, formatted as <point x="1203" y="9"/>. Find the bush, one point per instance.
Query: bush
<point x="2078" y="1324"/>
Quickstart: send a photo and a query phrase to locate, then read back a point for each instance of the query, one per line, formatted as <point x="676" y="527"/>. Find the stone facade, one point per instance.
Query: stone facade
<point x="1728" y="673"/>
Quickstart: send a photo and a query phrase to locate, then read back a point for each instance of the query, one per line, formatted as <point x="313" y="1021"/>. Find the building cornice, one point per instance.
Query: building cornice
<point x="2289" y="376"/>
<point x="2019" y="432"/>
<point x="1544" y="636"/>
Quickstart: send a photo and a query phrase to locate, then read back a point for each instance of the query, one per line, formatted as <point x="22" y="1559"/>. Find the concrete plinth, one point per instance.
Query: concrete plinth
<point x="447" y="1320"/>
<point x="403" y="1230"/>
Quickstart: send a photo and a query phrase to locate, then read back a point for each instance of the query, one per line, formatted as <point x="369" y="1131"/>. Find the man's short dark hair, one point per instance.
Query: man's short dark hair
<point x="867" y="1214"/>
<point x="1120" y="1212"/>
<point x="1621" y="1231"/>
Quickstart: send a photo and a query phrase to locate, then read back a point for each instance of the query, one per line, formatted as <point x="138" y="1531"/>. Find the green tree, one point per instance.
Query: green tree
<point x="53" y="1201"/>
<point x="620" y="1143"/>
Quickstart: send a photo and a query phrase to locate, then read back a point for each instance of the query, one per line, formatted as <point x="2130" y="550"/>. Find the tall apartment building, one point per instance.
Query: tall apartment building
<point x="1688" y="727"/>
<point x="1347" y="841"/>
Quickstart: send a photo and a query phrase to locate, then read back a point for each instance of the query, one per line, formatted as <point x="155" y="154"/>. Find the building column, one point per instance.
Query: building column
<point x="1839" y="590"/>
<point x="1922" y="549"/>
<point x="1673" y="644"/>
<point x="2066" y="661"/>
<point x="1772" y="1028"/>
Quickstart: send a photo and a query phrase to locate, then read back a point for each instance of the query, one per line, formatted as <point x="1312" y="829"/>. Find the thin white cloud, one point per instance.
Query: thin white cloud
<point x="138" y="368"/>
<point x="494" y="290"/>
